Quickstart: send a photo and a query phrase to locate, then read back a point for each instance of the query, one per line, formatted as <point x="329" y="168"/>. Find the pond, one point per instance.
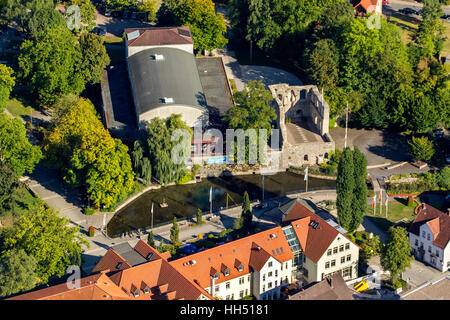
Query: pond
<point x="184" y="200"/>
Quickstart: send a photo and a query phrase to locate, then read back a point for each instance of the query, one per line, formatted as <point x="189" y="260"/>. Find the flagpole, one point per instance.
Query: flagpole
<point x="210" y="200"/>
<point x="387" y="200"/>
<point x="306" y="178"/>
<point x="152" y="216"/>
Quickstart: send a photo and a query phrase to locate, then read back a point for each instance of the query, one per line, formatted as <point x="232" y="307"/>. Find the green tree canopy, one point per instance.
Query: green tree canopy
<point x="48" y="239"/>
<point x="396" y="254"/>
<point x="421" y="148"/>
<point x="246" y="214"/>
<point x="208" y="27"/>
<point x="95" y="58"/>
<point x="345" y="185"/>
<point x="15" y="150"/>
<point x="43" y="18"/>
<point x="359" y="203"/>
<point x="8" y="185"/>
<point x="7" y="82"/>
<point x="87" y="12"/>
<point x="17" y="272"/>
<point x="22" y="11"/>
<point x="174" y="232"/>
<point x="87" y="155"/>
<point x="49" y="64"/>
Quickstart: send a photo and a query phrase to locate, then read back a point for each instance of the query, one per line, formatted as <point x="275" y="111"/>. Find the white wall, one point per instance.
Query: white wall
<point x="185" y="47"/>
<point x="441" y="257"/>
<point x="192" y="116"/>
<point x="235" y="287"/>
<point x="353" y="251"/>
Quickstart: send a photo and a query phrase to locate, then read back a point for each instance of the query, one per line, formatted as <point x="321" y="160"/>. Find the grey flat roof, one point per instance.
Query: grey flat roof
<point x="175" y="76"/>
<point x="129" y="254"/>
<point x="215" y="85"/>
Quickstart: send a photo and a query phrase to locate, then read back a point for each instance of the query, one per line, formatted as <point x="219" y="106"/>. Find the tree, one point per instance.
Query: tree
<point x="86" y="155"/>
<point x="22" y="11"/>
<point x="8" y="186"/>
<point x="421" y="148"/>
<point x="359" y="203"/>
<point x="345" y="185"/>
<point x="324" y="64"/>
<point x="151" y="239"/>
<point x="166" y="12"/>
<point x="43" y="18"/>
<point x="207" y="26"/>
<point x="87" y="12"/>
<point x="199" y="216"/>
<point x="94" y="57"/>
<point x="246" y="214"/>
<point x="50" y="64"/>
<point x="430" y="34"/>
<point x="48" y="239"/>
<point x="157" y="146"/>
<point x="174" y="232"/>
<point x="6" y="84"/>
<point x="443" y="178"/>
<point x="396" y="254"/>
<point x="15" y="149"/>
<point x="17" y="272"/>
<point x="238" y="223"/>
<point x="149" y="6"/>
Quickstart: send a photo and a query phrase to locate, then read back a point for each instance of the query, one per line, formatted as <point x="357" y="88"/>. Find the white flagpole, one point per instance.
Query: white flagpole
<point x="306" y="178"/>
<point x="152" y="216"/>
<point x="210" y="200"/>
<point x="262" y="187"/>
<point x="387" y="200"/>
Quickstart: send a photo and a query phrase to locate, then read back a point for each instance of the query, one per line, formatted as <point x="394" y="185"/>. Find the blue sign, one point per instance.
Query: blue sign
<point x="218" y="160"/>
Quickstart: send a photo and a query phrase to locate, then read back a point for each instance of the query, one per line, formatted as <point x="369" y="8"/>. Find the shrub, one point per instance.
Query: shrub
<point x="91" y="231"/>
<point x="410" y="201"/>
<point x="89" y="211"/>
<point x="421" y="148"/>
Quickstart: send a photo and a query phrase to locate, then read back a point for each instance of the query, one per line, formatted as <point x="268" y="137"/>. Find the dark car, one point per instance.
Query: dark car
<point x="408" y="11"/>
<point x="101" y="31"/>
<point x="126" y="15"/>
<point x="446" y="17"/>
<point x="117" y="14"/>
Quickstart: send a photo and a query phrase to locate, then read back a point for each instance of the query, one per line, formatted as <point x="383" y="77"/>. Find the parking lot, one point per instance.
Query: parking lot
<point x="115" y="25"/>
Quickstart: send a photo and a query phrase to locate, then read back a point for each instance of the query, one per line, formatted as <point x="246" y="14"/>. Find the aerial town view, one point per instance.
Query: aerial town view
<point x="268" y="151"/>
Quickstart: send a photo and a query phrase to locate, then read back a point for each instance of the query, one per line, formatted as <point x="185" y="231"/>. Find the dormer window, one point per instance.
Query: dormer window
<point x="136" y="293"/>
<point x="150" y="255"/>
<point x="119" y="265"/>
<point x="241" y="267"/>
<point x="216" y="275"/>
<point x="226" y="272"/>
<point x="146" y="290"/>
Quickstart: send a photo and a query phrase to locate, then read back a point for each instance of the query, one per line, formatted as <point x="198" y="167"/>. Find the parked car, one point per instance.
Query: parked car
<point x="117" y="14"/>
<point x="101" y="31"/>
<point x="446" y="17"/>
<point x="108" y="13"/>
<point x="142" y="16"/>
<point x="408" y="11"/>
<point x="133" y="15"/>
<point x="126" y="14"/>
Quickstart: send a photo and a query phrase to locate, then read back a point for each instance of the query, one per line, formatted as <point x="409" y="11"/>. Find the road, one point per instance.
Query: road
<point x="399" y="4"/>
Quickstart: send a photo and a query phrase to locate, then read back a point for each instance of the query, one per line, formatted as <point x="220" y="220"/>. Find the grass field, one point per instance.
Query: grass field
<point x="17" y="108"/>
<point x="409" y="25"/>
<point x="398" y="211"/>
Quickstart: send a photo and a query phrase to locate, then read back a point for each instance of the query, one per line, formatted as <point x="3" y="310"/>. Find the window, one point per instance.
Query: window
<point x="270" y="264"/>
<point x="281" y="267"/>
<point x="335" y="250"/>
<point x="437" y="253"/>
<point x="347" y="272"/>
<point x="327" y="265"/>
<point x="417" y="242"/>
<point x="342" y="259"/>
<point x="423" y="234"/>
<point x="341" y="248"/>
<point x="428" y="236"/>
<point x="349" y="257"/>
<point x="217" y="288"/>
<point x="305" y="158"/>
<point x="264" y="277"/>
<point x="270" y="274"/>
<point x="241" y="294"/>
<point x="246" y="292"/>
<point x="241" y="267"/>
<point x="264" y="287"/>
<point x="227" y="285"/>
<point x="227" y="297"/>
<point x="276" y="283"/>
<point x="269" y="285"/>
<point x="429" y="248"/>
<point x="248" y="278"/>
<point x="276" y="273"/>
<point x="241" y="280"/>
<point x="227" y="272"/>
<point x="333" y="263"/>
<point x="329" y="252"/>
<point x="347" y="246"/>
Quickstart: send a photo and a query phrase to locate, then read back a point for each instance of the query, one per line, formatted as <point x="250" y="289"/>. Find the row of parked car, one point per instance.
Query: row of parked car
<point x="419" y="13"/>
<point x="125" y="14"/>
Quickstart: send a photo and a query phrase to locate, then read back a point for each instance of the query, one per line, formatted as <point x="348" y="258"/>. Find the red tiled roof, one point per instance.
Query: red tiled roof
<point x="333" y="288"/>
<point x="439" y="221"/>
<point x="160" y="36"/>
<point x="258" y="257"/>
<point x="232" y="254"/>
<point x="314" y="242"/>
<point x="367" y="3"/>
<point x="111" y="261"/>
<point x="94" y="287"/>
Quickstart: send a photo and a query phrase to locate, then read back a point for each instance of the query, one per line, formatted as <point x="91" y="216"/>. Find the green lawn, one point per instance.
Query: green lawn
<point x="397" y="211"/>
<point x="17" y="108"/>
<point x="409" y="26"/>
<point x="113" y="40"/>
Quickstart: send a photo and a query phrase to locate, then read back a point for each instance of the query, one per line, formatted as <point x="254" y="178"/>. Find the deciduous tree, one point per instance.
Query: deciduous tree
<point x="421" y="148"/>
<point x="7" y="82"/>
